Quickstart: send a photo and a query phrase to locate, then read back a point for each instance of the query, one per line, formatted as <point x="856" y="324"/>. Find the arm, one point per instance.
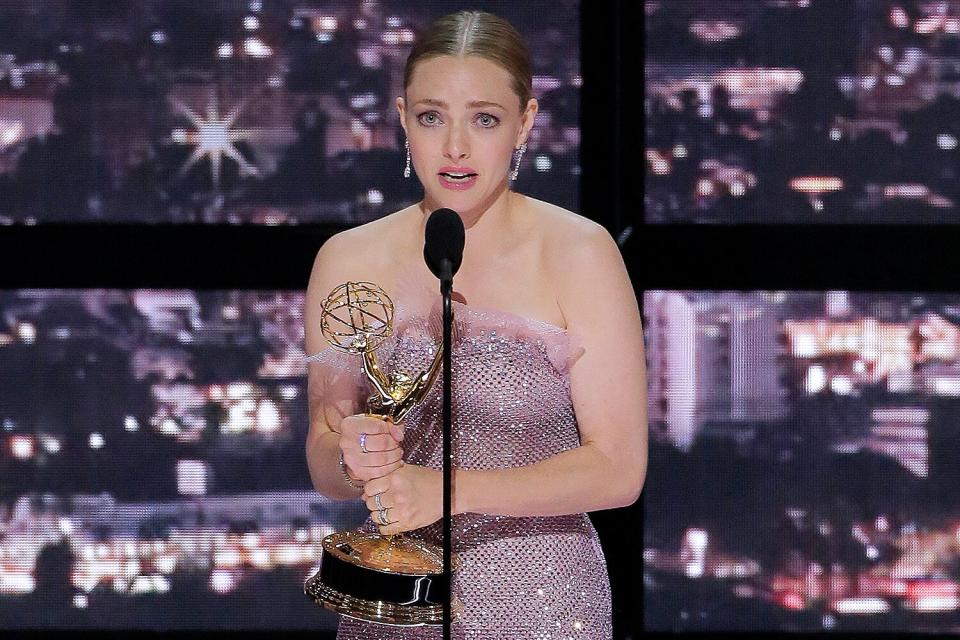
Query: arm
<point x="608" y="387"/>
<point x="332" y="392"/>
<point x="329" y="402"/>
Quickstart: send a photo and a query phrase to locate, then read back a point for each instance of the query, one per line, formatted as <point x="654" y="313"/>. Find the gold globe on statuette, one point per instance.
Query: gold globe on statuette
<point x="393" y="580"/>
<point x="356" y="316"/>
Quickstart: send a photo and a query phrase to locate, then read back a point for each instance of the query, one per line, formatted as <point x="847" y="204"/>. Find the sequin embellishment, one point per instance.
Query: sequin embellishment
<point x="522" y="578"/>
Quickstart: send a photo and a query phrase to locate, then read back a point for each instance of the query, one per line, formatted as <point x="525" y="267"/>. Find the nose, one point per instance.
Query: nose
<point x="457" y="147"/>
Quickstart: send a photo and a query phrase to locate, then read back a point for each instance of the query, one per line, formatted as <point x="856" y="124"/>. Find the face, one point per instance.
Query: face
<point x="463" y="122"/>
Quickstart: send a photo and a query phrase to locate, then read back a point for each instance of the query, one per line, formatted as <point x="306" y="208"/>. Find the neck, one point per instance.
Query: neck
<point x="486" y="225"/>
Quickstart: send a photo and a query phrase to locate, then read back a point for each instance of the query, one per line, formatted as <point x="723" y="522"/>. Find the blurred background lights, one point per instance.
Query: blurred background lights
<point x="96" y="441"/>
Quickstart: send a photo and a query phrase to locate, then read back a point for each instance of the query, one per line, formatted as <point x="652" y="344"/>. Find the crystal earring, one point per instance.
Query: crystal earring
<point x="406" y="170"/>
<point x="519" y="153"/>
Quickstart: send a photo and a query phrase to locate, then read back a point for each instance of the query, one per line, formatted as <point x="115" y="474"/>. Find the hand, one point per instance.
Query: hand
<point x="414" y="495"/>
<point x="383" y="446"/>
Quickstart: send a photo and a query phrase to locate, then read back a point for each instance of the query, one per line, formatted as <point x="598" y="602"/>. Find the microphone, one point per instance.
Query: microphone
<point x="443" y="243"/>
<point x="444" y="238"/>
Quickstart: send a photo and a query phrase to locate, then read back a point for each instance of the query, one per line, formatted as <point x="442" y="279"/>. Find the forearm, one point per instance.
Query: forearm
<point x="573" y="481"/>
<point x="323" y="461"/>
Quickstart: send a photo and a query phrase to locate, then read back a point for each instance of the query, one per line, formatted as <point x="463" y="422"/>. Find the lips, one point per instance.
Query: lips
<point x="457" y="172"/>
<point x="457" y="178"/>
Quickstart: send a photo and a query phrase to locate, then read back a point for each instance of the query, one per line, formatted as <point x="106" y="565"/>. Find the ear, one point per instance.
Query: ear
<point x="526" y="121"/>
<point x="402" y="110"/>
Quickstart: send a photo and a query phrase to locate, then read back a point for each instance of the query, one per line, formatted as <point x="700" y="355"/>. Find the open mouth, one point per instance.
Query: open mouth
<point x="458" y="177"/>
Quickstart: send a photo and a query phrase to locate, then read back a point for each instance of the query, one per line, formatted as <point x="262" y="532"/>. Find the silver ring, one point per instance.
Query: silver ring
<point x="363" y="443"/>
<point x="382" y="516"/>
<point x="376" y="499"/>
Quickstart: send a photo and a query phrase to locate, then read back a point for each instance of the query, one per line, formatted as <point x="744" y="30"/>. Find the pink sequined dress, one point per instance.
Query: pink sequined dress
<point x="522" y="578"/>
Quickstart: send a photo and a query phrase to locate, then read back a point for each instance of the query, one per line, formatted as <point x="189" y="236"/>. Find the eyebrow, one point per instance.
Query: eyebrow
<point x="443" y="105"/>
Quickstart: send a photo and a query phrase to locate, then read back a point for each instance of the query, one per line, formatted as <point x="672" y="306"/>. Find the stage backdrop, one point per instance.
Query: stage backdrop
<point x="803" y="111"/>
<point x="803" y="453"/>
<point x="152" y="471"/>
<point x="241" y="111"/>
<point x="802" y="461"/>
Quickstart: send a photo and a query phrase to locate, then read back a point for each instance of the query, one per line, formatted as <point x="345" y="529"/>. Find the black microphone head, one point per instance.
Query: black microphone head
<point x="443" y="240"/>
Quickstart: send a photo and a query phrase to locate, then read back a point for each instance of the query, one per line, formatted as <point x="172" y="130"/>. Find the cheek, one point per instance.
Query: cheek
<point x="495" y="153"/>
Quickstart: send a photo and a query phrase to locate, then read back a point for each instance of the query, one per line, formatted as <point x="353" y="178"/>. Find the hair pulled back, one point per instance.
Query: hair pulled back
<point x="476" y="33"/>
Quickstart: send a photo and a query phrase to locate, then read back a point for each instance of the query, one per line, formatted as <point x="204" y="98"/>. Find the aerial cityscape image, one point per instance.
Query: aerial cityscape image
<point x="152" y="454"/>
<point x="262" y="112"/>
<point x="802" y="111"/>
<point x="802" y="461"/>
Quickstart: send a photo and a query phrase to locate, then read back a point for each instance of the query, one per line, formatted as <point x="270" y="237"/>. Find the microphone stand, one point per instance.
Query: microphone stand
<point x="446" y="290"/>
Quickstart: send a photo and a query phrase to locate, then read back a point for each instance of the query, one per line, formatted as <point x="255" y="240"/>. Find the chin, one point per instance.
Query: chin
<point x="455" y="201"/>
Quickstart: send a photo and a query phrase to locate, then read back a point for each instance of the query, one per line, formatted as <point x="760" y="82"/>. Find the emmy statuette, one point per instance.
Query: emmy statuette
<point x="393" y="580"/>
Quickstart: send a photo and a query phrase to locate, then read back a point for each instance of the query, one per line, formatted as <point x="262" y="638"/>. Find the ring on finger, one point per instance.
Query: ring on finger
<point x="363" y="443"/>
<point x="376" y="499"/>
<point x="382" y="516"/>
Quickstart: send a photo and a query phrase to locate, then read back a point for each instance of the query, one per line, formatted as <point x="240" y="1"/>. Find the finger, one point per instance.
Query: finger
<point x="396" y="430"/>
<point x="381" y="458"/>
<point x="381" y="442"/>
<point x="353" y="426"/>
<point x="375" y="486"/>
<point x="373" y="473"/>
<point x="371" y="502"/>
<point x="390" y="529"/>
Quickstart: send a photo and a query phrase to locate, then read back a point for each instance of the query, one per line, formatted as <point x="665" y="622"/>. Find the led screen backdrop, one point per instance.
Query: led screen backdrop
<point x="241" y="111"/>
<point x="151" y="456"/>
<point x="802" y="111"/>
<point x="802" y="461"/>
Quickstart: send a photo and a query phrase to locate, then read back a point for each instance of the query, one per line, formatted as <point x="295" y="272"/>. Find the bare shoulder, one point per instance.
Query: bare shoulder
<point x="361" y="253"/>
<point x="366" y="244"/>
<point x="569" y="239"/>
<point x="583" y="264"/>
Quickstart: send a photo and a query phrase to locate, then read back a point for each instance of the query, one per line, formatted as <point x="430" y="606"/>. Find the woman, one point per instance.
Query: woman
<point x="548" y="363"/>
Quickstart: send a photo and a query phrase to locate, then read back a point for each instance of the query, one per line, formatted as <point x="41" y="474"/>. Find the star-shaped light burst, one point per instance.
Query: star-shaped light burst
<point x="213" y="137"/>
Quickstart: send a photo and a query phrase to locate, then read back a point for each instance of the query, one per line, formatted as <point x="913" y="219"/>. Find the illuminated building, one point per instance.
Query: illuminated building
<point x="901" y="433"/>
<point x="714" y="360"/>
<point x="671" y="364"/>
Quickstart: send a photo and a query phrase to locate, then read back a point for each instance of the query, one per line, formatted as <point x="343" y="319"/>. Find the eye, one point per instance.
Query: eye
<point x="487" y="120"/>
<point x="428" y="118"/>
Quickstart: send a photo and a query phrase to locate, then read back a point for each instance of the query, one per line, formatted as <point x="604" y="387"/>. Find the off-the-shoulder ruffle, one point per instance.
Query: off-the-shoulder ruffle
<point x="561" y="347"/>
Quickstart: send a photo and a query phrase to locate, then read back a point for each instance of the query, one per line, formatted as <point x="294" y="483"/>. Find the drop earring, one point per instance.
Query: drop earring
<point x="406" y="170"/>
<point x="519" y="153"/>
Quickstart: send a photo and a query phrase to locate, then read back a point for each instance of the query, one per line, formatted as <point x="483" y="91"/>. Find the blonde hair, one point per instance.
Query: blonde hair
<point x="476" y="33"/>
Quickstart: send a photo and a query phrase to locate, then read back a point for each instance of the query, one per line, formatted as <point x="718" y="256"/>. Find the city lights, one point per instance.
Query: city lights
<point x="829" y="346"/>
<point x="256" y="48"/>
<point x="658" y="163"/>
<point x="22" y="447"/>
<point x="214" y="138"/>
<point x="714" y="31"/>
<point x="816" y="184"/>
<point x="51" y="444"/>
<point x="861" y="606"/>
<point x="191" y="477"/>
<point x="946" y="141"/>
<point x="899" y="17"/>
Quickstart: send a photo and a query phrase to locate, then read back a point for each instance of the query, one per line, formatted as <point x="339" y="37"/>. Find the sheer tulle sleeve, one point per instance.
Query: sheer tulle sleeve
<point x="336" y="385"/>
